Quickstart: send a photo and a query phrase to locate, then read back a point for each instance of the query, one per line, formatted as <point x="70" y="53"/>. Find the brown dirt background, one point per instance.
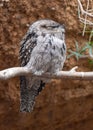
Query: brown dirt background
<point x="62" y="105"/>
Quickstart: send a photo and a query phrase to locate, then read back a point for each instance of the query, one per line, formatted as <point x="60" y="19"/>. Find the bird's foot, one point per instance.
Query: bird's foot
<point x="38" y="73"/>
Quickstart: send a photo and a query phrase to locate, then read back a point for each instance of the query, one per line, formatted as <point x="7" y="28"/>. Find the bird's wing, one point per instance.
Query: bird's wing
<point x="29" y="87"/>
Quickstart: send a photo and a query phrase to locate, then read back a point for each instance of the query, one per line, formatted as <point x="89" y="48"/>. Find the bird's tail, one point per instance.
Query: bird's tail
<point x="29" y="89"/>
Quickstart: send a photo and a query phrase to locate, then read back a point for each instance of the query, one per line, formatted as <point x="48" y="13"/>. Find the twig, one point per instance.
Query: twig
<point x="85" y="19"/>
<point x="20" y="71"/>
<point x="91" y="35"/>
<point x="82" y="10"/>
<point x="86" y="13"/>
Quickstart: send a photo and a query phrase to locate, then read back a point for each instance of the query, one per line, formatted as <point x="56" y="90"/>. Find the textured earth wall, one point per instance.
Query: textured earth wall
<point x="62" y="105"/>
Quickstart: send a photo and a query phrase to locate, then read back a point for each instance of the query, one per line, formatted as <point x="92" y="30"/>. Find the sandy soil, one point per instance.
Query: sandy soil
<point x="62" y="105"/>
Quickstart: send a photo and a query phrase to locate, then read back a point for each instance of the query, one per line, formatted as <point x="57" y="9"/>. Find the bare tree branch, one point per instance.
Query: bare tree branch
<point x="20" y="71"/>
<point x="13" y="72"/>
<point x="85" y="19"/>
<point x="86" y="13"/>
<point x="83" y="11"/>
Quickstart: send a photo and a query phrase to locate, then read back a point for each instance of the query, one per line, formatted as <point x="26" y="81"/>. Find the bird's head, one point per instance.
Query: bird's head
<point x="49" y="26"/>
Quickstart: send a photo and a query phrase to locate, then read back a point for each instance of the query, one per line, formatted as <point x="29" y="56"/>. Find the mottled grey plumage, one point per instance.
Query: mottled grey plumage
<point x="42" y="50"/>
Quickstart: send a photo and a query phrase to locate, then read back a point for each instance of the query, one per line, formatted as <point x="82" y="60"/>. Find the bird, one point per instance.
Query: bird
<point x="42" y="50"/>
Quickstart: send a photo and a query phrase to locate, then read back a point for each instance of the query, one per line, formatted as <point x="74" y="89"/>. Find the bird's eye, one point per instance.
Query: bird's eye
<point x="54" y="26"/>
<point x="49" y="26"/>
<point x="44" y="26"/>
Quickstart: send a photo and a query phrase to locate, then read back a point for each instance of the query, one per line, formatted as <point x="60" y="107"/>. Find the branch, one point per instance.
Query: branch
<point x="21" y="71"/>
<point x="82" y="10"/>
<point x="85" y="19"/>
<point x="13" y="72"/>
